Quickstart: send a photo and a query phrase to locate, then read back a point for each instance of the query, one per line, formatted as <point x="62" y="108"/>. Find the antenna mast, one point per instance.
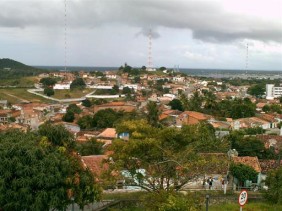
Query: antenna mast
<point x="150" y="63"/>
<point x="65" y="35"/>
<point x="247" y="58"/>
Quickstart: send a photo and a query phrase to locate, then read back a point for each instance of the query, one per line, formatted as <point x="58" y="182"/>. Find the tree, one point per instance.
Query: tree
<point x="257" y="90"/>
<point x="58" y="135"/>
<point x="74" y="109"/>
<point x="85" y="122"/>
<point x="36" y="175"/>
<point x="116" y="89"/>
<point x="153" y="113"/>
<point x="90" y="147"/>
<point x="78" y="83"/>
<point x="47" y="82"/>
<point x="68" y="117"/>
<point x="243" y="172"/>
<point x="249" y="146"/>
<point x="86" y="103"/>
<point x="126" y="90"/>
<point x="106" y="118"/>
<point x="196" y="101"/>
<point x="176" y="105"/>
<point x="274" y="183"/>
<point x="49" y="91"/>
<point x="157" y="159"/>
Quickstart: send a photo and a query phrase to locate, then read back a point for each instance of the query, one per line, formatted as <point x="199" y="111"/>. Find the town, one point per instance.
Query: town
<point x="143" y="129"/>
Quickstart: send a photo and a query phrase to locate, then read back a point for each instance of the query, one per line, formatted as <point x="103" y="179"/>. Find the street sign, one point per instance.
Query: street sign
<point x="243" y="197"/>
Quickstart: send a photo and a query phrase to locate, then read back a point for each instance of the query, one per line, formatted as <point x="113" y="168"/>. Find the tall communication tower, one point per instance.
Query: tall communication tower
<point x="247" y="58"/>
<point x="150" y="63"/>
<point x="65" y="35"/>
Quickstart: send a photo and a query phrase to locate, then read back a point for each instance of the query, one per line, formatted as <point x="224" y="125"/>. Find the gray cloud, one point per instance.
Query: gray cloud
<point x="207" y="20"/>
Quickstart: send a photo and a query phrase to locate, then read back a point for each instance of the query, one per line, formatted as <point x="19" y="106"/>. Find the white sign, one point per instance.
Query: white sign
<point x="243" y="197"/>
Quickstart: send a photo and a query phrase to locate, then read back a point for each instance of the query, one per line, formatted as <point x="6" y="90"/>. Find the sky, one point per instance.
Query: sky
<point x="185" y="33"/>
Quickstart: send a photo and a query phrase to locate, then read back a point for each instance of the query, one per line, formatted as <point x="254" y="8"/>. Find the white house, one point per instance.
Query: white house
<point x="62" y="86"/>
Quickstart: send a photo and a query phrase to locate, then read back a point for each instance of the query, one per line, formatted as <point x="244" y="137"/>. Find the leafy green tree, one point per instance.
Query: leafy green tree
<point x="249" y="146"/>
<point x="257" y="90"/>
<point x="47" y="82"/>
<point x="153" y="113"/>
<point x="36" y="175"/>
<point x="266" y="108"/>
<point x="168" y="156"/>
<point x="58" y="135"/>
<point x="242" y="111"/>
<point x="126" y="90"/>
<point x="49" y="91"/>
<point x="74" y="109"/>
<point x="106" y="118"/>
<point x="68" y="117"/>
<point x="78" y="83"/>
<point x="176" y="105"/>
<point x="243" y="172"/>
<point x="86" y="122"/>
<point x="196" y="101"/>
<point x="274" y="183"/>
<point x="91" y="147"/>
<point x="116" y="89"/>
<point x="86" y="103"/>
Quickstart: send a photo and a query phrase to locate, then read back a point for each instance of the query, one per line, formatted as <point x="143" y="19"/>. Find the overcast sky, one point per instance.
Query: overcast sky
<point x="188" y="33"/>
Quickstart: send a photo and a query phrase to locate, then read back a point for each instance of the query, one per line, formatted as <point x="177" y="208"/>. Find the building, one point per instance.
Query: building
<point x="273" y="91"/>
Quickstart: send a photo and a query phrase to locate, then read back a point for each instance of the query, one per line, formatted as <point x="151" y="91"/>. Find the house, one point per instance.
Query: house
<point x="250" y="122"/>
<point x="192" y="117"/>
<point x="271" y="141"/>
<point x="252" y="162"/>
<point x="4" y="104"/>
<point x="108" y="133"/>
<point x="61" y="86"/>
<point x="168" y="117"/>
<point x="96" y="163"/>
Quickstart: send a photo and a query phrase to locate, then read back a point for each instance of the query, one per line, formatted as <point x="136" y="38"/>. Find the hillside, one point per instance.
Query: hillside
<point x="14" y="65"/>
<point x="10" y="69"/>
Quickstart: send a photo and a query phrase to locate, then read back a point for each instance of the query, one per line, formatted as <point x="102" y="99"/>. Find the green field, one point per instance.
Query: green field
<point x="20" y="82"/>
<point x="17" y="95"/>
<point x="76" y="93"/>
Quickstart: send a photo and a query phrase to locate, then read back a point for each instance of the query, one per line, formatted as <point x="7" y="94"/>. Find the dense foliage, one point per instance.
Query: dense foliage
<point x="78" y="83"/>
<point x="42" y="172"/>
<point x="274" y="183"/>
<point x="169" y="156"/>
<point x="243" y="172"/>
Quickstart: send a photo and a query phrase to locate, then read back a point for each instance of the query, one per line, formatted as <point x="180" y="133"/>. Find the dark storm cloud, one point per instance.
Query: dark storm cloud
<point x="207" y="20"/>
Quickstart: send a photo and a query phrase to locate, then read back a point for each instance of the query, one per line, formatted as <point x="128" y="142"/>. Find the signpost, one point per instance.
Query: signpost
<point x="243" y="197"/>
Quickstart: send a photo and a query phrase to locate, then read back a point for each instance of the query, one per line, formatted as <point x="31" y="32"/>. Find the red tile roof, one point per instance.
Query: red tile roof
<point x="248" y="161"/>
<point x="95" y="163"/>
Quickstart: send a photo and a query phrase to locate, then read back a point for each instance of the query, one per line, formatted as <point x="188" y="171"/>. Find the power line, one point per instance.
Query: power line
<point x="247" y="58"/>
<point x="150" y="63"/>
<point x="65" y="36"/>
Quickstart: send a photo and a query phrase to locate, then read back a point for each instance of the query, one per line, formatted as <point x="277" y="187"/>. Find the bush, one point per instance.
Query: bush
<point x="171" y="201"/>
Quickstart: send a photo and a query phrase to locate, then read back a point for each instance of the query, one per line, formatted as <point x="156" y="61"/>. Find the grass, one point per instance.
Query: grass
<point x="16" y="95"/>
<point x="248" y="207"/>
<point x="76" y="93"/>
<point x="20" y="82"/>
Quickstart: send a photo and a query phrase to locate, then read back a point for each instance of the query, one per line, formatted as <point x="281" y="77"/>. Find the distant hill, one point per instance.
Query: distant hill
<point x="13" y="65"/>
<point x="10" y="69"/>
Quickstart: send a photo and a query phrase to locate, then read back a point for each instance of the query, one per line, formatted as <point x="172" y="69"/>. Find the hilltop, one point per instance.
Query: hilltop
<point x="9" y="64"/>
<point x="13" y="69"/>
